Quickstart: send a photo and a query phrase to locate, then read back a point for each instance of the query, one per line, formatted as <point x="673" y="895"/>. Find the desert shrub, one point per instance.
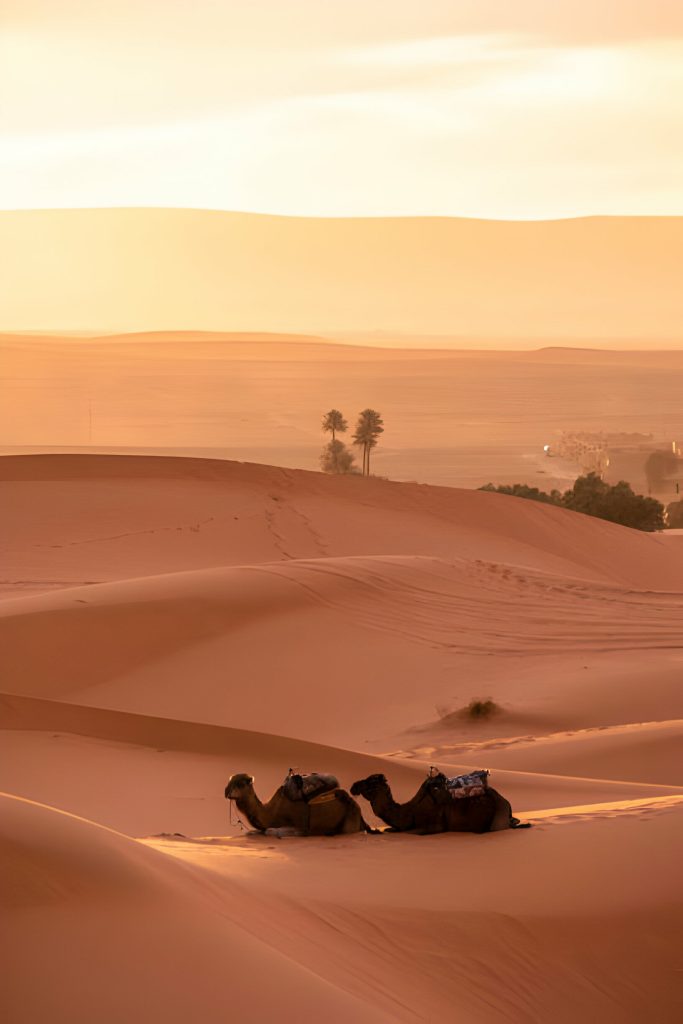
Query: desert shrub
<point x="477" y="709"/>
<point x="524" y="491"/>
<point x="616" y="503"/>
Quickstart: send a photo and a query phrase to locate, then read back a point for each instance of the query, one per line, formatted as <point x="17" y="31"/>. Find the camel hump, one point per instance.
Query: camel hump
<point x="324" y="798"/>
<point x="305" y="787"/>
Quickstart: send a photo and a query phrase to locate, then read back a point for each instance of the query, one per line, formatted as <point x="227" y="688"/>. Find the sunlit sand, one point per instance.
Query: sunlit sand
<point x="168" y="622"/>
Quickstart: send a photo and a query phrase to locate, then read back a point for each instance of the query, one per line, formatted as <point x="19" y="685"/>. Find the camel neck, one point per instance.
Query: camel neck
<point x="252" y="808"/>
<point x="385" y="807"/>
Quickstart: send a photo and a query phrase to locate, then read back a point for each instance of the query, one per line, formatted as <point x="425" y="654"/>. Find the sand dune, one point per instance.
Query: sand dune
<point x="189" y="938"/>
<point x="167" y="622"/>
<point x="177" y="770"/>
<point x="73" y="519"/>
<point x="420" y="619"/>
<point x="102" y="899"/>
<point x="193" y="269"/>
<point x="642" y="752"/>
<point x="484" y="929"/>
<point x="89" y="761"/>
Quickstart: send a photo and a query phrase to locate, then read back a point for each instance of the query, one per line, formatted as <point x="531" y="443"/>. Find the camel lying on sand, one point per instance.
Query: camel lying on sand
<point x="330" y="814"/>
<point x="433" y="809"/>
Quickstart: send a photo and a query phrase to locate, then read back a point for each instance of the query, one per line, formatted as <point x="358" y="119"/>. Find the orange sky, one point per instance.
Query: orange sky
<point x="483" y="108"/>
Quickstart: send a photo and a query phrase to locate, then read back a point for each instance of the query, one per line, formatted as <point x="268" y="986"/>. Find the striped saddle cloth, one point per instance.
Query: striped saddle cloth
<point x="473" y="784"/>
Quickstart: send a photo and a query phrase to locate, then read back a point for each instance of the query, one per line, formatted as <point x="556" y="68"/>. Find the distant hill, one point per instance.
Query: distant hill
<point x="535" y="282"/>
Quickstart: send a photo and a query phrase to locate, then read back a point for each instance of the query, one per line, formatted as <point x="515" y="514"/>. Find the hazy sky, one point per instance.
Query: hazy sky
<point x="483" y="108"/>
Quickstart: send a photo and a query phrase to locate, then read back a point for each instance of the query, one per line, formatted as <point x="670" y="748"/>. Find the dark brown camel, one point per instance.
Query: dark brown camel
<point x="503" y="817"/>
<point x="330" y="814"/>
<point x="416" y="815"/>
<point x="433" y="810"/>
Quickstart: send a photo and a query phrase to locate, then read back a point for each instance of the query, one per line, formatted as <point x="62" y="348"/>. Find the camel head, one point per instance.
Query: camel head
<point x="366" y="787"/>
<point x="238" y="785"/>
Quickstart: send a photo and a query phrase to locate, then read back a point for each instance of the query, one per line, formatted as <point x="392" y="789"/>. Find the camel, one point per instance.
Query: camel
<point x="416" y="815"/>
<point x="433" y="810"/>
<point x="330" y="814"/>
<point x="502" y="819"/>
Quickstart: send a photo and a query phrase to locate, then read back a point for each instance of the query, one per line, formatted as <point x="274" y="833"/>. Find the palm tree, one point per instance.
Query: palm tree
<point x="333" y="421"/>
<point x="368" y="428"/>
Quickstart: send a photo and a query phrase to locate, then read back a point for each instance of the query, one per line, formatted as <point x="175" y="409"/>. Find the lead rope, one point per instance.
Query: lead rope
<point x="238" y="820"/>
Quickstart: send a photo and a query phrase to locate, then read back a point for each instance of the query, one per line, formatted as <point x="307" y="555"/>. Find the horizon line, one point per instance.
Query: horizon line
<point x="611" y="346"/>
<point x="342" y="217"/>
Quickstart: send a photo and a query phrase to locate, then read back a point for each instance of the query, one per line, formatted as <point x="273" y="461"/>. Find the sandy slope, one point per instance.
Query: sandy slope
<point x="423" y="627"/>
<point x="641" y="752"/>
<point x="553" y="924"/>
<point x="148" y="775"/>
<point x="71" y="519"/>
<point x="105" y="904"/>
<point x="376" y="944"/>
<point x="411" y="626"/>
<point x="210" y="270"/>
<point x="337" y="625"/>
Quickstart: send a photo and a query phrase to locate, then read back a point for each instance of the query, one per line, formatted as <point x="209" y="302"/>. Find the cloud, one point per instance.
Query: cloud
<point x="501" y="123"/>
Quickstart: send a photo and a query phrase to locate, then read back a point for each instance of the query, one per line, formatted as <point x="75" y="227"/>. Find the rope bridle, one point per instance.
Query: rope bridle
<point x="238" y="820"/>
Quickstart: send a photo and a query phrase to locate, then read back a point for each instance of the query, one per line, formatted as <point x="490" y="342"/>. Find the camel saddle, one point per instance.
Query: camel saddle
<point x="307" y="787"/>
<point x="460" y="786"/>
<point x="473" y="784"/>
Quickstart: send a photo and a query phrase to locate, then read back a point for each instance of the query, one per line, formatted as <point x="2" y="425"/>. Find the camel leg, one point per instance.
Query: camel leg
<point x="352" y="819"/>
<point x="353" y="822"/>
<point x="502" y="818"/>
<point x="333" y="819"/>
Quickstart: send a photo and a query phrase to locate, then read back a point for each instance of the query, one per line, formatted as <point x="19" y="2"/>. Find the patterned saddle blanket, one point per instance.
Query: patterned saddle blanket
<point x="298" y="786"/>
<point x="474" y="784"/>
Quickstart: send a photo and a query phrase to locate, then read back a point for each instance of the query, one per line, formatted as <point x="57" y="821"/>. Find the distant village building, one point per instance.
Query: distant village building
<point x="650" y="467"/>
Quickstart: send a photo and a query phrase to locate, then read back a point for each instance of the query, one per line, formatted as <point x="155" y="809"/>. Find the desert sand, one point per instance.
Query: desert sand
<point x="453" y="418"/>
<point x="520" y="282"/>
<point x="166" y="622"/>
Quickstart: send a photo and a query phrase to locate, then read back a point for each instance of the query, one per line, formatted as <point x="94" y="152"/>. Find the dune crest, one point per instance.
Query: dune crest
<point x="209" y="270"/>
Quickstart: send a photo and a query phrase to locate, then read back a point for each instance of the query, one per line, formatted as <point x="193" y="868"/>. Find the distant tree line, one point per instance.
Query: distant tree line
<point x="336" y="457"/>
<point x="616" y="503"/>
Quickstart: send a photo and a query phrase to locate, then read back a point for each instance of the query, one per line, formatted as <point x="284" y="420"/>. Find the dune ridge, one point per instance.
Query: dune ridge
<point x="181" y="767"/>
<point x="167" y="622"/>
<point x="94" y="518"/>
<point x="209" y="270"/>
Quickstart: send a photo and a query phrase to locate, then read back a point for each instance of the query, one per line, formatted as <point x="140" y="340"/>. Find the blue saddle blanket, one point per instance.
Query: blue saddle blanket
<point x="473" y="784"/>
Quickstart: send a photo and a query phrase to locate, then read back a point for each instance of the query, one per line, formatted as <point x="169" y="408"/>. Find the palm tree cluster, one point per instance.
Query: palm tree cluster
<point x="336" y="457"/>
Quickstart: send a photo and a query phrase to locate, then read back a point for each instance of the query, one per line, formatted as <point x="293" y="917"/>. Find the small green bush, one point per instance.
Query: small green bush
<point x="590" y="494"/>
